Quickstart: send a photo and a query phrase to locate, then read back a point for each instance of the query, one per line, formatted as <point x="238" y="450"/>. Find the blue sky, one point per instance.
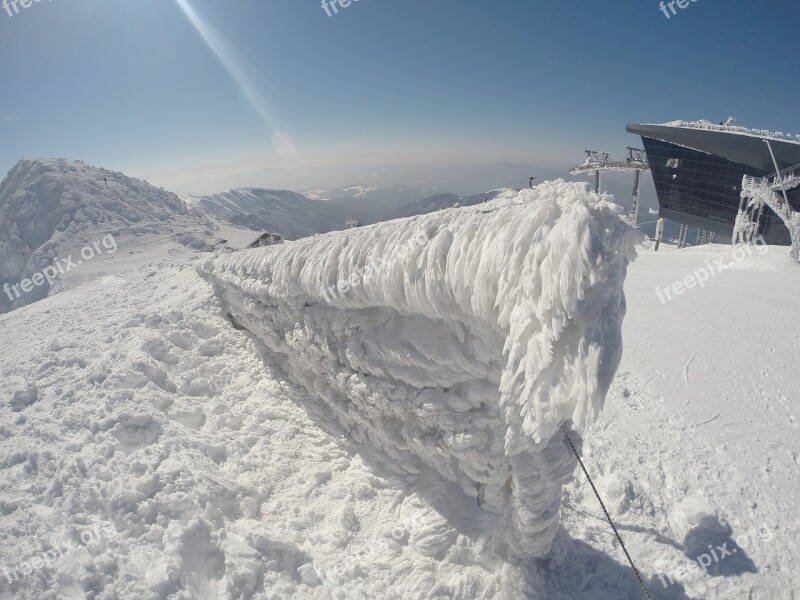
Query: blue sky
<point x="133" y="85"/>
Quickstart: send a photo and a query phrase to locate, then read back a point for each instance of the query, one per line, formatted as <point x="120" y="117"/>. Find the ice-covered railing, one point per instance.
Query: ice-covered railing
<point x="460" y="340"/>
<point x="786" y="179"/>
<point x="764" y="190"/>
<point x="709" y="126"/>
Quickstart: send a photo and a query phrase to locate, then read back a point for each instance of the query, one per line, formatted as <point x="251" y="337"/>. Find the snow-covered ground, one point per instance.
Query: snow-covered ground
<point x="699" y="443"/>
<point x="149" y="449"/>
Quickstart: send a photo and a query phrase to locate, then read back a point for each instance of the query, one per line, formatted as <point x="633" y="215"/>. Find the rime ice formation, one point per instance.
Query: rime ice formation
<point x="463" y="338"/>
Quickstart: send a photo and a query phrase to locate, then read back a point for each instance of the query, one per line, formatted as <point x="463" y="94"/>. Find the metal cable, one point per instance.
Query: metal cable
<point x="608" y="516"/>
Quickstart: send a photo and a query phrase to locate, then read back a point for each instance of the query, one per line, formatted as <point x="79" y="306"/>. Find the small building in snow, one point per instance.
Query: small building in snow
<point x="266" y="239"/>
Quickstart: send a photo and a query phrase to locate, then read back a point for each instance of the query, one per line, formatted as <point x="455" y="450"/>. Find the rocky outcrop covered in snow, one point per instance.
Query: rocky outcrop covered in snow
<point x="51" y="208"/>
<point x="460" y="340"/>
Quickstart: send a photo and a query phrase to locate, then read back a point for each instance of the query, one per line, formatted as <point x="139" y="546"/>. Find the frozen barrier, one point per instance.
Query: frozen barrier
<point x="462" y="338"/>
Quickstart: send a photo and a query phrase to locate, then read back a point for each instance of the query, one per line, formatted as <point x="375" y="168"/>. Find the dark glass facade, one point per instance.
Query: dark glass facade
<point x="703" y="190"/>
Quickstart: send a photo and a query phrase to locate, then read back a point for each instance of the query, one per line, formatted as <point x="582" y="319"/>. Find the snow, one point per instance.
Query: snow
<point x="705" y="124"/>
<point x="360" y="191"/>
<point x="320" y="194"/>
<point x="702" y="421"/>
<point x="164" y="457"/>
<point x="149" y="449"/>
<point x="53" y="208"/>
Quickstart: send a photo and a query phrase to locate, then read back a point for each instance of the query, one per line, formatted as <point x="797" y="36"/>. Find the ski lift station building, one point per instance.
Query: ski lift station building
<point x="698" y="168"/>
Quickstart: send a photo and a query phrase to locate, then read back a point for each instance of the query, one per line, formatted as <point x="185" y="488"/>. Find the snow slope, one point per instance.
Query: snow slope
<point x="699" y="444"/>
<point x="149" y="452"/>
<point x="51" y="209"/>
<point x="461" y="339"/>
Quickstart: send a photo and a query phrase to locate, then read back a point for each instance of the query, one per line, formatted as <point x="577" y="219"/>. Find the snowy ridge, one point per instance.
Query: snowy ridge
<point x="462" y="340"/>
<point x="50" y="208"/>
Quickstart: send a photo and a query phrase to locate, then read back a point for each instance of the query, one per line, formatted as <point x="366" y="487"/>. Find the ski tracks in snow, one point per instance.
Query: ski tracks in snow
<point x="660" y="487"/>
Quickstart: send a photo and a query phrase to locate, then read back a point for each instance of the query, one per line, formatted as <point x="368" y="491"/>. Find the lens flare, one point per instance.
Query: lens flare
<point x="281" y="141"/>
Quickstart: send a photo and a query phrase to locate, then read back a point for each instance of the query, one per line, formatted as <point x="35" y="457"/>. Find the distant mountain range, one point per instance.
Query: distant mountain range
<point x="366" y="203"/>
<point x="439" y="202"/>
<point x="320" y="210"/>
<point x="280" y="211"/>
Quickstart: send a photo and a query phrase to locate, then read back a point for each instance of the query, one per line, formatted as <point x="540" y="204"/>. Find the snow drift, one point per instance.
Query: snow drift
<point x="461" y="340"/>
